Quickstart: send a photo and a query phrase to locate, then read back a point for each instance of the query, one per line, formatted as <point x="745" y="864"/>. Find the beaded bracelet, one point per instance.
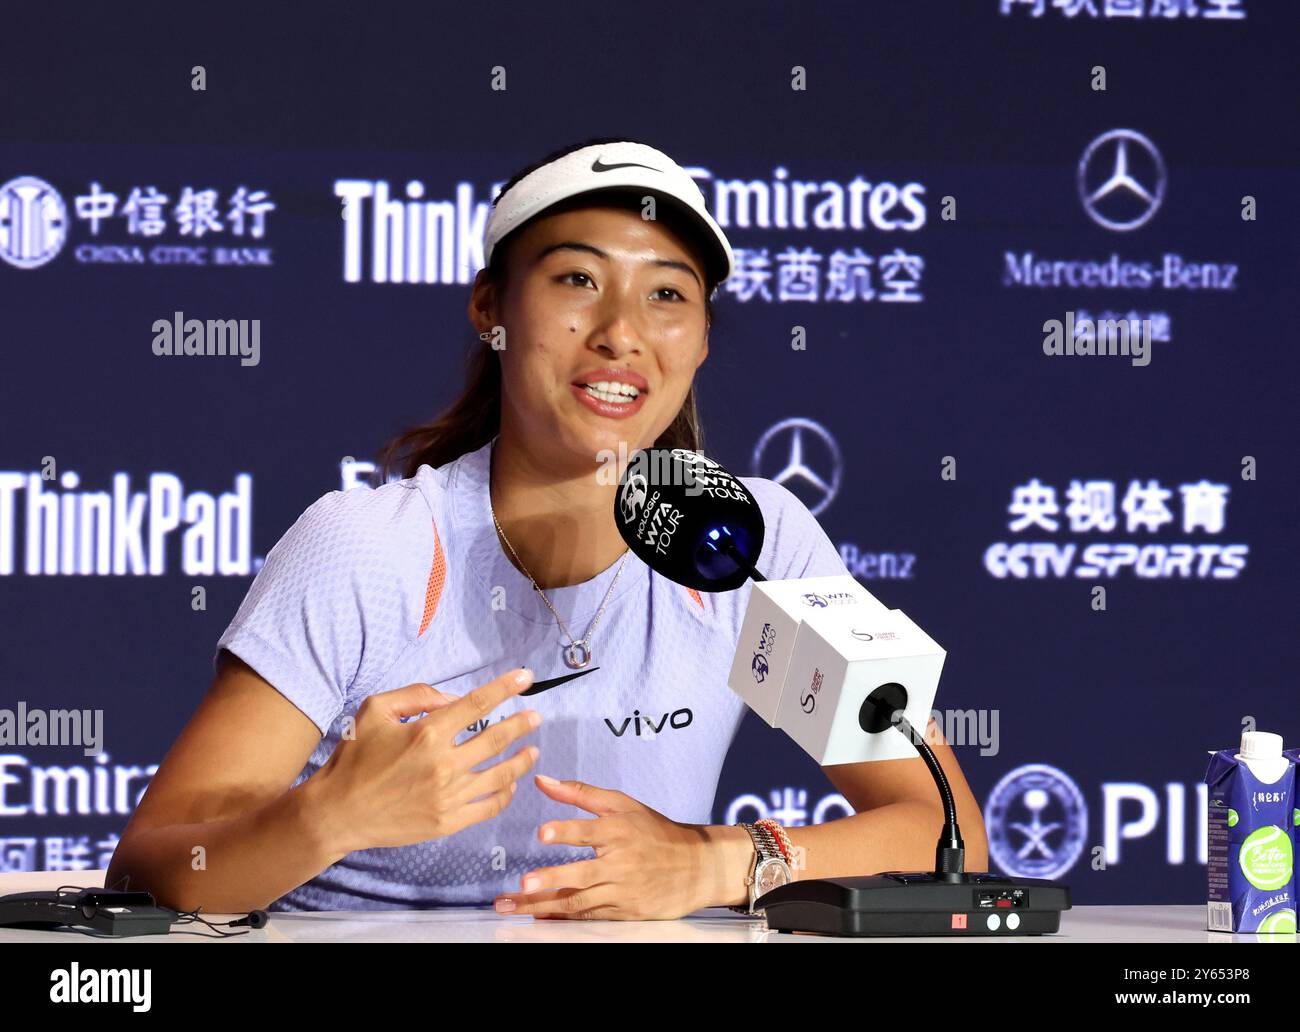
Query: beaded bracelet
<point x="782" y="839"/>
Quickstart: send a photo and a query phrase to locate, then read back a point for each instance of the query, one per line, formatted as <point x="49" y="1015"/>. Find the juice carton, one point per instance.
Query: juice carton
<point x="1251" y="838"/>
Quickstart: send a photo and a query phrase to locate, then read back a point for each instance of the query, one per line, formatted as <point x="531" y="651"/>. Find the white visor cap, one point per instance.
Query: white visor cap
<point x="618" y="167"/>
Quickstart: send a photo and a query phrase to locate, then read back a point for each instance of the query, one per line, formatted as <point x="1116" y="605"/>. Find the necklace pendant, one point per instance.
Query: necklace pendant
<point x="577" y="655"/>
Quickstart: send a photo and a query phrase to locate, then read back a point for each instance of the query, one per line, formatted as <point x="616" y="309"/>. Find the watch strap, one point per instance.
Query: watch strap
<point x="765" y="848"/>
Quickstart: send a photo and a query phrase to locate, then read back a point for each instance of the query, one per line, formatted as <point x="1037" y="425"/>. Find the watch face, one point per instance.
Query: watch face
<point x="770" y="875"/>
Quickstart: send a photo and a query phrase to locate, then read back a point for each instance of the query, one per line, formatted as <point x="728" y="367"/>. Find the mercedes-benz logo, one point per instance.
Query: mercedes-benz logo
<point x="802" y="457"/>
<point x="1121" y="180"/>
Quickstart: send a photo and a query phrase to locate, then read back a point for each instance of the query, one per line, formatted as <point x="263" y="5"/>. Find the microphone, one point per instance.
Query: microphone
<point x="688" y="519"/>
<point x="692" y="521"/>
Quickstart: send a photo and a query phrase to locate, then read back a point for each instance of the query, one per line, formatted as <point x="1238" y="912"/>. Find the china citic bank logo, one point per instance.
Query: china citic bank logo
<point x="33" y="222"/>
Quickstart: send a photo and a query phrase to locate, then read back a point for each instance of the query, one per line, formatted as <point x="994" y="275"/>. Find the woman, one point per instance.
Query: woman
<point x="301" y="783"/>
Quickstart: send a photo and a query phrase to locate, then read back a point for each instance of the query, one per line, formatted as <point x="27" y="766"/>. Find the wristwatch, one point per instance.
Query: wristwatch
<point x="770" y="868"/>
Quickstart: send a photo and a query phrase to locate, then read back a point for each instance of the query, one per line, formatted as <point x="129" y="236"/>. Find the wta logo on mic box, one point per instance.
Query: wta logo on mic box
<point x="839" y="661"/>
<point x="776" y="611"/>
<point x="813" y="650"/>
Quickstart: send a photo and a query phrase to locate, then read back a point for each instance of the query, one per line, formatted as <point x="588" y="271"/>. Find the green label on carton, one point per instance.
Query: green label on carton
<point x="1265" y="858"/>
<point x="1278" y="921"/>
<point x="1232" y="817"/>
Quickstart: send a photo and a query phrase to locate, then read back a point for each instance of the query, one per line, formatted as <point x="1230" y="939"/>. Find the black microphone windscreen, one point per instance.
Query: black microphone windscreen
<point x="689" y="519"/>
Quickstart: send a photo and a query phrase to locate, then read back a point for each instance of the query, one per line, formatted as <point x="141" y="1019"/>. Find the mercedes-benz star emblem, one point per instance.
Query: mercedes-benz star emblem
<point x="803" y="457"/>
<point x="1121" y="180"/>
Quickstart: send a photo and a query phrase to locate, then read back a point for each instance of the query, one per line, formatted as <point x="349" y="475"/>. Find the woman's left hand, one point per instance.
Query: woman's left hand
<point x="647" y="866"/>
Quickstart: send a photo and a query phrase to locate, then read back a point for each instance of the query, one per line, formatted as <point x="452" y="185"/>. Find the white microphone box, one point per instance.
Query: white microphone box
<point x="838" y="661"/>
<point x="773" y="617"/>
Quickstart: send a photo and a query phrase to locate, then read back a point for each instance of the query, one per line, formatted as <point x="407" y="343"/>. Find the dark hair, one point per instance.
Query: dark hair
<point x="474" y="418"/>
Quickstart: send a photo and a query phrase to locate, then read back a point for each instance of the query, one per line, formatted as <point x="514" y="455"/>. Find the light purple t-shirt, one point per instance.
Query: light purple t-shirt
<point x="374" y="589"/>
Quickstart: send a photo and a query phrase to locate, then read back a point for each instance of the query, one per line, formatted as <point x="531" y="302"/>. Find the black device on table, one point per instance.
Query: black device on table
<point x="946" y="901"/>
<point x="110" y="912"/>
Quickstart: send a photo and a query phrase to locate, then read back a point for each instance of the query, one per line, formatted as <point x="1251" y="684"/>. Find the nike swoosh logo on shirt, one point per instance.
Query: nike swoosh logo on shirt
<point x="541" y="686"/>
<point x="598" y="166"/>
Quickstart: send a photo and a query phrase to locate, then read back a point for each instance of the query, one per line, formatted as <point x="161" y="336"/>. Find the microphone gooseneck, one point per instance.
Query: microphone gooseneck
<point x="950" y="853"/>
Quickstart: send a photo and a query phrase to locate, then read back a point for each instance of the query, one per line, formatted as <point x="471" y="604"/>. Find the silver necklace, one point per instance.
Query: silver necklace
<point x="577" y="654"/>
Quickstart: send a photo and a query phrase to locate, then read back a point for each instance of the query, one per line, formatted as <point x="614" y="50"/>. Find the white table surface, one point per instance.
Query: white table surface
<point x="1117" y="924"/>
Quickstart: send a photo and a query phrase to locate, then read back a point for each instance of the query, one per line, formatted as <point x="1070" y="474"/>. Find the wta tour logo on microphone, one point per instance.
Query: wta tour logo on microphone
<point x="689" y="519"/>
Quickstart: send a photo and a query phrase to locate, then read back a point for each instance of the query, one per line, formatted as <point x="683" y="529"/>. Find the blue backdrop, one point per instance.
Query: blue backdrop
<point x="947" y="181"/>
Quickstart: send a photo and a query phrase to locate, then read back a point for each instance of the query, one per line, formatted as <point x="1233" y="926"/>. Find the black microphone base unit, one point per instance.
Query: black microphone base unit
<point x="102" y="910"/>
<point x="908" y="904"/>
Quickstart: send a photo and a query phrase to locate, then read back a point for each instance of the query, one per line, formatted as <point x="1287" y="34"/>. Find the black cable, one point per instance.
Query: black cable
<point x="91" y="933"/>
<point x="183" y="917"/>
<point x="190" y="916"/>
<point x="728" y="548"/>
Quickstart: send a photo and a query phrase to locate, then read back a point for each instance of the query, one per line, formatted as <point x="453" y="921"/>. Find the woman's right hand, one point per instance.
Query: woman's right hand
<point x="395" y="784"/>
